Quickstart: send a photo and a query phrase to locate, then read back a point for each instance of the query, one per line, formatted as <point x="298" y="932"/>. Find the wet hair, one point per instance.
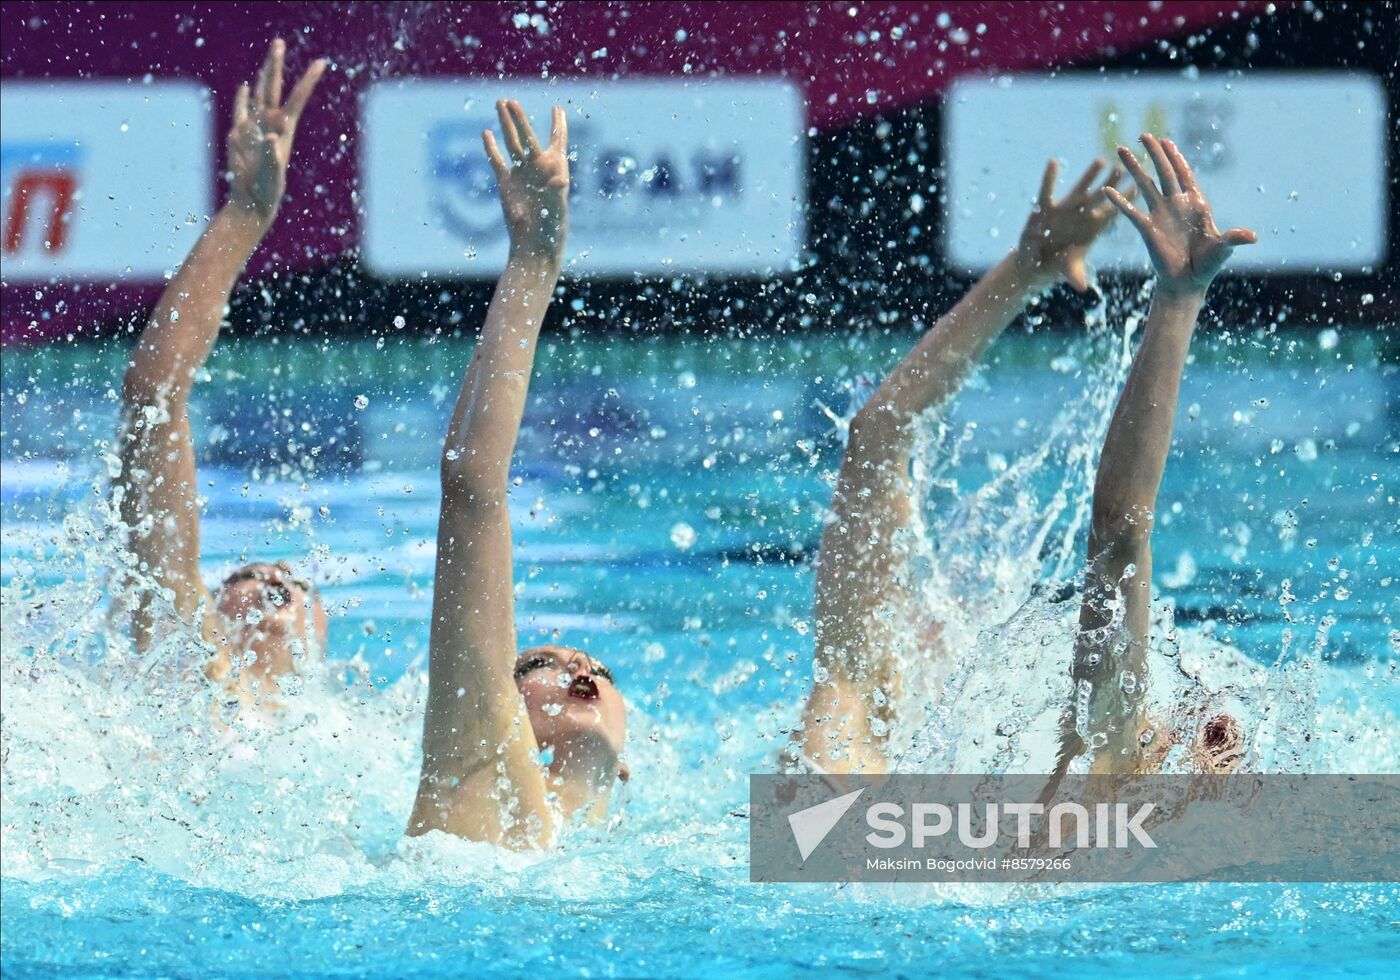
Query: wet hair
<point x="1221" y="745"/>
<point x="273" y="576"/>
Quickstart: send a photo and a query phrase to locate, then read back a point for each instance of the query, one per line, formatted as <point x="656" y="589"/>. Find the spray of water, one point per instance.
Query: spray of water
<point x="114" y="759"/>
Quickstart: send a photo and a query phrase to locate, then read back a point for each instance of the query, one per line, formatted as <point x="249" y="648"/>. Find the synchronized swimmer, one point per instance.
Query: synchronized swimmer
<point x="518" y="743"/>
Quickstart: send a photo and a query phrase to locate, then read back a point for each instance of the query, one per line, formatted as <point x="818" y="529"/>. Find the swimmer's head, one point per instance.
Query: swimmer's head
<point x="272" y="614"/>
<point x="1218" y="746"/>
<point x="1213" y="746"/>
<point x="575" y="710"/>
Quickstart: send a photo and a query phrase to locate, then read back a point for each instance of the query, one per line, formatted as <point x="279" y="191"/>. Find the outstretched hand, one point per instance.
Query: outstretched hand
<point x="260" y="142"/>
<point x="1186" y="247"/>
<point x="535" y="190"/>
<point x="1058" y="234"/>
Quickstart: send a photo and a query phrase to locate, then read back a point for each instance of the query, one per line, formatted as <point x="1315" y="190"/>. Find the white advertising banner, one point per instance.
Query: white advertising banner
<point x="668" y="175"/>
<point x="1298" y="157"/>
<point x="105" y="181"/>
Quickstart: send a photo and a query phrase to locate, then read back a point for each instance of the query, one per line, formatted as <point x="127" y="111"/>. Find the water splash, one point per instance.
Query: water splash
<point x="997" y="557"/>
<point x="114" y="761"/>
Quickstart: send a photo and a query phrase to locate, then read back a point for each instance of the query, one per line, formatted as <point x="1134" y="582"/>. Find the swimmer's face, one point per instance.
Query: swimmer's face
<point x="272" y="614"/>
<point x="569" y="696"/>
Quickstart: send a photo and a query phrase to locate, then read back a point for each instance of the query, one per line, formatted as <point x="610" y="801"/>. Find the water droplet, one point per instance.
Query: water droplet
<point x="682" y="535"/>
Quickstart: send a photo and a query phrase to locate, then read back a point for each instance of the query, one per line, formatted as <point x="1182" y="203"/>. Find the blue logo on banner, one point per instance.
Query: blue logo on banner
<point x="611" y="188"/>
<point x="463" y="186"/>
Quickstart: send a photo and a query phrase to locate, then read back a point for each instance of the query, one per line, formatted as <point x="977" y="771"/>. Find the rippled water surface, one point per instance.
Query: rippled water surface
<point x="670" y="500"/>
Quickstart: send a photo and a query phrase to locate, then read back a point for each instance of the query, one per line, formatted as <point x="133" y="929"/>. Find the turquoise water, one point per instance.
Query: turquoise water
<point x="671" y="496"/>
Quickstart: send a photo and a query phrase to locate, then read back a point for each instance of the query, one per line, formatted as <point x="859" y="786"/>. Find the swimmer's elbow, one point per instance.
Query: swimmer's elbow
<point x="470" y="484"/>
<point x="1119" y="539"/>
<point x="878" y="433"/>
<point x="153" y="401"/>
<point x="1120" y="526"/>
<point x="873" y="424"/>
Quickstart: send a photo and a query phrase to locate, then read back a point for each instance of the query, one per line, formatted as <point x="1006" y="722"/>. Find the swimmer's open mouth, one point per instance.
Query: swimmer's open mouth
<point x="583" y="687"/>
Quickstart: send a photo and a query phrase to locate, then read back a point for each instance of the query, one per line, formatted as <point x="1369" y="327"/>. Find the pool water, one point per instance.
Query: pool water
<point x="671" y="495"/>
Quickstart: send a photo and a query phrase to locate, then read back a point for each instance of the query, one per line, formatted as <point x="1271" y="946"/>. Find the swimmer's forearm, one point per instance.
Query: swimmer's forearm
<point x="1120" y="552"/>
<point x="157" y="480"/>
<point x="871" y="497"/>
<point x="1130" y="472"/>
<point x="944" y="356"/>
<point x="185" y="322"/>
<point x="1139" y="436"/>
<point x="486" y="421"/>
<point x="472" y="698"/>
<point x="872" y="494"/>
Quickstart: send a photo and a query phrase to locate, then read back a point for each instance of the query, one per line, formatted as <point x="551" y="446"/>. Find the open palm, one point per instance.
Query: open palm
<point x="260" y="142"/>
<point x="1186" y="247"/>
<point x="535" y="189"/>
<point x="1058" y="234"/>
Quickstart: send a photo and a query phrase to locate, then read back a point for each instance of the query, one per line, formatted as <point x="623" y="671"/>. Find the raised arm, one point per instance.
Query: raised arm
<point x="857" y="568"/>
<point x="1110" y="671"/>
<point x="482" y="777"/>
<point x="157" y="483"/>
